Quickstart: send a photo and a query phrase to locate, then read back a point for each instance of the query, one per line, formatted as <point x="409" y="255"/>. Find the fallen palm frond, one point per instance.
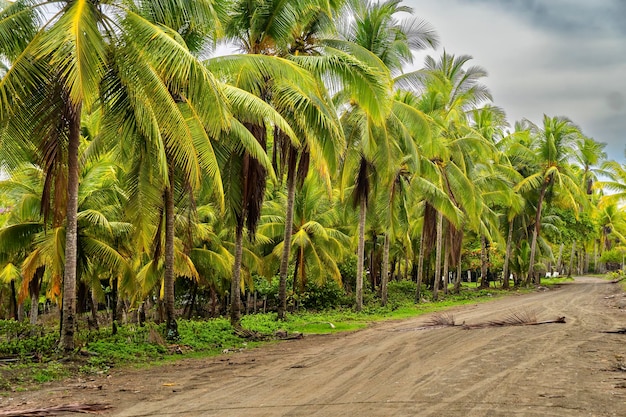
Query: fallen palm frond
<point x="441" y="320"/>
<point x="56" y="410"/>
<point x="523" y="318"/>
<point x="250" y="334"/>
<point x="513" y="319"/>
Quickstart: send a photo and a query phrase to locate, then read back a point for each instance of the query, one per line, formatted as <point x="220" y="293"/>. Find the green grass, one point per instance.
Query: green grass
<point x="134" y="345"/>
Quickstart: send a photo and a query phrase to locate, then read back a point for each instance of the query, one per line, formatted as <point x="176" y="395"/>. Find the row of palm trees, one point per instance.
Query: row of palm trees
<point x="135" y="159"/>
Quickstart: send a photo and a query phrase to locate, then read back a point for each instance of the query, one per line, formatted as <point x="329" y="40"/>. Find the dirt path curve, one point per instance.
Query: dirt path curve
<point x="396" y="369"/>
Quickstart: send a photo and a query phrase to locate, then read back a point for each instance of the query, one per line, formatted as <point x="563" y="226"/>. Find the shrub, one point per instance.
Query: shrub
<point x="24" y="339"/>
<point x="323" y="296"/>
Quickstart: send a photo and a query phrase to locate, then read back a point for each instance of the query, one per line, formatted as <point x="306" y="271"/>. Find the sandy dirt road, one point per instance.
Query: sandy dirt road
<point x="398" y="369"/>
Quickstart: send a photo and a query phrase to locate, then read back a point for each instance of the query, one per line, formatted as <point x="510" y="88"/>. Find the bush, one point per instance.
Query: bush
<point x="401" y="292"/>
<point x="24" y="339"/>
<point x="320" y="297"/>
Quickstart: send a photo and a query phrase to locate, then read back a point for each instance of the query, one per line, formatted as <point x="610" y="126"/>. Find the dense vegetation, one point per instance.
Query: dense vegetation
<point x="306" y="172"/>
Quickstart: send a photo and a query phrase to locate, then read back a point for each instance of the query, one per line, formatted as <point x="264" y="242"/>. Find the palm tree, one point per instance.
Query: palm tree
<point x="375" y="28"/>
<point x="318" y="245"/>
<point x="551" y="149"/>
<point x="449" y="91"/>
<point x="615" y="174"/>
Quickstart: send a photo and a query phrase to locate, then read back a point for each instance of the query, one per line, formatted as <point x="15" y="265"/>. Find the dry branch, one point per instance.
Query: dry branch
<point x="56" y="410"/>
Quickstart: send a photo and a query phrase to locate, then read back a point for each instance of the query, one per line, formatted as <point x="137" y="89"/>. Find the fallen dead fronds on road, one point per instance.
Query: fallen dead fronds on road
<point x="523" y="318"/>
<point x="56" y="410"/>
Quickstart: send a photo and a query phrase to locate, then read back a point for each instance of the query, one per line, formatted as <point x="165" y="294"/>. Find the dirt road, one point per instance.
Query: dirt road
<point x="399" y="369"/>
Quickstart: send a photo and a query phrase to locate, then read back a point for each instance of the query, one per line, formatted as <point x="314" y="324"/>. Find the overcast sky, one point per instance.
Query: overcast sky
<point x="554" y="57"/>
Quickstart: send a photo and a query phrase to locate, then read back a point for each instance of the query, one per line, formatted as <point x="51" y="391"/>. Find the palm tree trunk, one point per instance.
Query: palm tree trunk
<point x="420" y="270"/>
<point x="34" y="286"/>
<point x="559" y="262"/>
<point x="438" y="256"/>
<point x="406" y="265"/>
<point x="171" y="326"/>
<point x="284" y="261"/>
<point x="14" y="301"/>
<point x="94" y="310"/>
<point x="533" y="246"/>
<point x="571" y="259"/>
<point x="360" y="255"/>
<point x="68" y="322"/>
<point x="446" y="271"/>
<point x="235" y="291"/>
<point x="484" y="279"/>
<point x="34" y="309"/>
<point x="457" y="279"/>
<point x="385" y="277"/>
<point x="507" y="257"/>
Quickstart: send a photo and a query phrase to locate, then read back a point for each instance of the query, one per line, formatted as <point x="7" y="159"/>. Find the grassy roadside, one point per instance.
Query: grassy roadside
<point x="28" y="355"/>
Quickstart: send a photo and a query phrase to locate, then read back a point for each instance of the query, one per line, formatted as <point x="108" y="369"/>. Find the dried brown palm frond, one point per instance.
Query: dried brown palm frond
<point x="56" y="410"/>
<point x="516" y="318"/>
<point x="443" y="319"/>
<point x="521" y="318"/>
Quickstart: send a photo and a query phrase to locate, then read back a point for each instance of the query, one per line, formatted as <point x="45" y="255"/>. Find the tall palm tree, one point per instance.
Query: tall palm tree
<point x="374" y="26"/>
<point x="449" y="91"/>
<point x="551" y="149"/>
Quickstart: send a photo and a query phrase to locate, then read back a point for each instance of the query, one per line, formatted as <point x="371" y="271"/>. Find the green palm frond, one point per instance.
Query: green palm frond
<point x="9" y="273"/>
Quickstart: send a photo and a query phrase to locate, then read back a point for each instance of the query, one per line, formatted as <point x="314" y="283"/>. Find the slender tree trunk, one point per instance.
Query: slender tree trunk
<point x="34" y="309"/>
<point x="484" y="279"/>
<point x="360" y="255"/>
<point x="446" y="271"/>
<point x="571" y="259"/>
<point x="114" y="311"/>
<point x="235" y="290"/>
<point x="171" y="332"/>
<point x="420" y="270"/>
<point x="385" y="277"/>
<point x="373" y="264"/>
<point x="68" y="321"/>
<point x="507" y="257"/>
<point x="296" y="275"/>
<point x="284" y="261"/>
<point x="533" y="246"/>
<point x="34" y="286"/>
<point x="94" y="310"/>
<point x="580" y="260"/>
<point x="559" y="262"/>
<point x="14" y="307"/>
<point x="406" y="265"/>
<point x="457" y="279"/>
<point x="192" y="304"/>
<point x="438" y="257"/>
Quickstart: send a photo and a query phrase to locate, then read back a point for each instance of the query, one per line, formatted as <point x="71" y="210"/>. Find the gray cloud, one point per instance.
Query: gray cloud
<point x="568" y="16"/>
<point x="554" y="57"/>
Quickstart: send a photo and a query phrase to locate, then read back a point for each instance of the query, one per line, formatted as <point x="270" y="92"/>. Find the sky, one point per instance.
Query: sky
<point x="553" y="57"/>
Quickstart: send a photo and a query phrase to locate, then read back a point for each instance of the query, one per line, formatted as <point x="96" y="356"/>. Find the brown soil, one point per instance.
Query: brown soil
<point x="396" y="369"/>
